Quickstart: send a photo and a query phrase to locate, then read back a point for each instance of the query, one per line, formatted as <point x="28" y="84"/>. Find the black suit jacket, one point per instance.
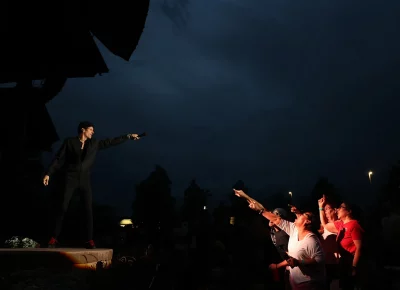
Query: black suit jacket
<point x="68" y="157"/>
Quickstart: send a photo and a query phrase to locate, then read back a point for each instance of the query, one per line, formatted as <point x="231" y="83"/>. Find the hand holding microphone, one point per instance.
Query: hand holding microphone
<point x="137" y="136"/>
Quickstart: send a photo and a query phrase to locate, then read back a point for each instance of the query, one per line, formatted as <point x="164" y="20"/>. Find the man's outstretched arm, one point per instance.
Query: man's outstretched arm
<point x="107" y="143"/>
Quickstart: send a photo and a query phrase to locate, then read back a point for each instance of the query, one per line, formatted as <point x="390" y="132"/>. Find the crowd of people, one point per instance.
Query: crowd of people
<point x="316" y="253"/>
<point x="326" y="248"/>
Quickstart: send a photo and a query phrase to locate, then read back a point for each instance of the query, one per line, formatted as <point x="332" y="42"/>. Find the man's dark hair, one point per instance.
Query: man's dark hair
<point x="314" y="224"/>
<point x="84" y="125"/>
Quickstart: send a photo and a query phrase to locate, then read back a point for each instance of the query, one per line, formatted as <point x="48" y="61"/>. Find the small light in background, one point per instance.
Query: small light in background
<point x="205" y="207"/>
<point x="370" y="176"/>
<point x="125" y="222"/>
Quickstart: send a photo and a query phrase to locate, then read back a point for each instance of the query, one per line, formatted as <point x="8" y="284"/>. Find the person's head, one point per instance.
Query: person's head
<point x="330" y="212"/>
<point x="348" y="210"/>
<point x="305" y="221"/>
<point x="279" y="212"/>
<point x="86" y="129"/>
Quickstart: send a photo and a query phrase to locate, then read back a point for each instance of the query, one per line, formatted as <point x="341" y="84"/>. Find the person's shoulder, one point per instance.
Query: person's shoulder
<point x="356" y="225"/>
<point x="313" y="239"/>
<point x="283" y="222"/>
<point x="313" y="236"/>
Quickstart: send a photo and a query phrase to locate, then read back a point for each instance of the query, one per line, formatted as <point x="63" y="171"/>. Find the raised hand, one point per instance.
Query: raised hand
<point x="46" y="180"/>
<point x="253" y="204"/>
<point x="292" y="262"/>
<point x="134" y="136"/>
<point x="240" y="193"/>
<point x="321" y="201"/>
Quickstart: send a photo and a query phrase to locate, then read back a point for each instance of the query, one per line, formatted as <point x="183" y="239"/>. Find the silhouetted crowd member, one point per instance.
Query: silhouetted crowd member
<point x="147" y="267"/>
<point x="349" y="238"/>
<point x="75" y="158"/>
<point x="390" y="224"/>
<point x="241" y="261"/>
<point x="219" y="265"/>
<point x="306" y="257"/>
<point x="280" y="239"/>
<point x="197" y="271"/>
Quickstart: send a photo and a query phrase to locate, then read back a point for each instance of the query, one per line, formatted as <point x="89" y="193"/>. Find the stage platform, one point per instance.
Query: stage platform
<point x="58" y="258"/>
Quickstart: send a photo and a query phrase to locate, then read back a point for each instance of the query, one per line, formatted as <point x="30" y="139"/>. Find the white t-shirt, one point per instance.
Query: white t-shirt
<point x="309" y="247"/>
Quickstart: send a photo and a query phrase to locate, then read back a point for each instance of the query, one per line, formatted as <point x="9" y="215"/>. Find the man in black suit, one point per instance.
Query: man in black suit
<point x="75" y="158"/>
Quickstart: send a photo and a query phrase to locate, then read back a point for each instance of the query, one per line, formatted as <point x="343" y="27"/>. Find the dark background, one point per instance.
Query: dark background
<point x="276" y="93"/>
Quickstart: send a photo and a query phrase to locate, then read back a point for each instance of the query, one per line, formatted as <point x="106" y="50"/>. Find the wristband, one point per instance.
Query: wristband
<point x="302" y="262"/>
<point x="261" y="211"/>
<point x="321" y="209"/>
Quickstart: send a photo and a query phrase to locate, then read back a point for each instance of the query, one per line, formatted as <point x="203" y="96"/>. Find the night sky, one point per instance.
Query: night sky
<point x="275" y="93"/>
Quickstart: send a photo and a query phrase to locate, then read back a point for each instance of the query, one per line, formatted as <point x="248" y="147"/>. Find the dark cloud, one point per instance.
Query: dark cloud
<point x="272" y="92"/>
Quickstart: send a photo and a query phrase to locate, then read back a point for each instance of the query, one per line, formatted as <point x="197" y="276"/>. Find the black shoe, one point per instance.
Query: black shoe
<point x="52" y="243"/>
<point x="90" y="245"/>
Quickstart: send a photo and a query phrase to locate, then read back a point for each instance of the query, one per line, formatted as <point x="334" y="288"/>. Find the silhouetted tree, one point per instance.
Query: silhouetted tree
<point x="195" y="199"/>
<point x="323" y="186"/>
<point x="279" y="199"/>
<point x="221" y="214"/>
<point x="391" y="190"/>
<point x="154" y="205"/>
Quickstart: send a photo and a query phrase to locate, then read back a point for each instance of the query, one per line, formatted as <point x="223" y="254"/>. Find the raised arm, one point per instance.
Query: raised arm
<point x="107" y="143"/>
<point x="256" y="206"/>
<point x="328" y="226"/>
<point x="295" y="210"/>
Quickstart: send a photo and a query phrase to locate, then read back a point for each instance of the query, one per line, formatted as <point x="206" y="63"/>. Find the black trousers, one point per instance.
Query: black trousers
<point x="72" y="184"/>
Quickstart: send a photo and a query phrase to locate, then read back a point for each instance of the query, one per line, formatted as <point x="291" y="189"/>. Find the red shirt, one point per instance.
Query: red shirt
<point x="347" y="234"/>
